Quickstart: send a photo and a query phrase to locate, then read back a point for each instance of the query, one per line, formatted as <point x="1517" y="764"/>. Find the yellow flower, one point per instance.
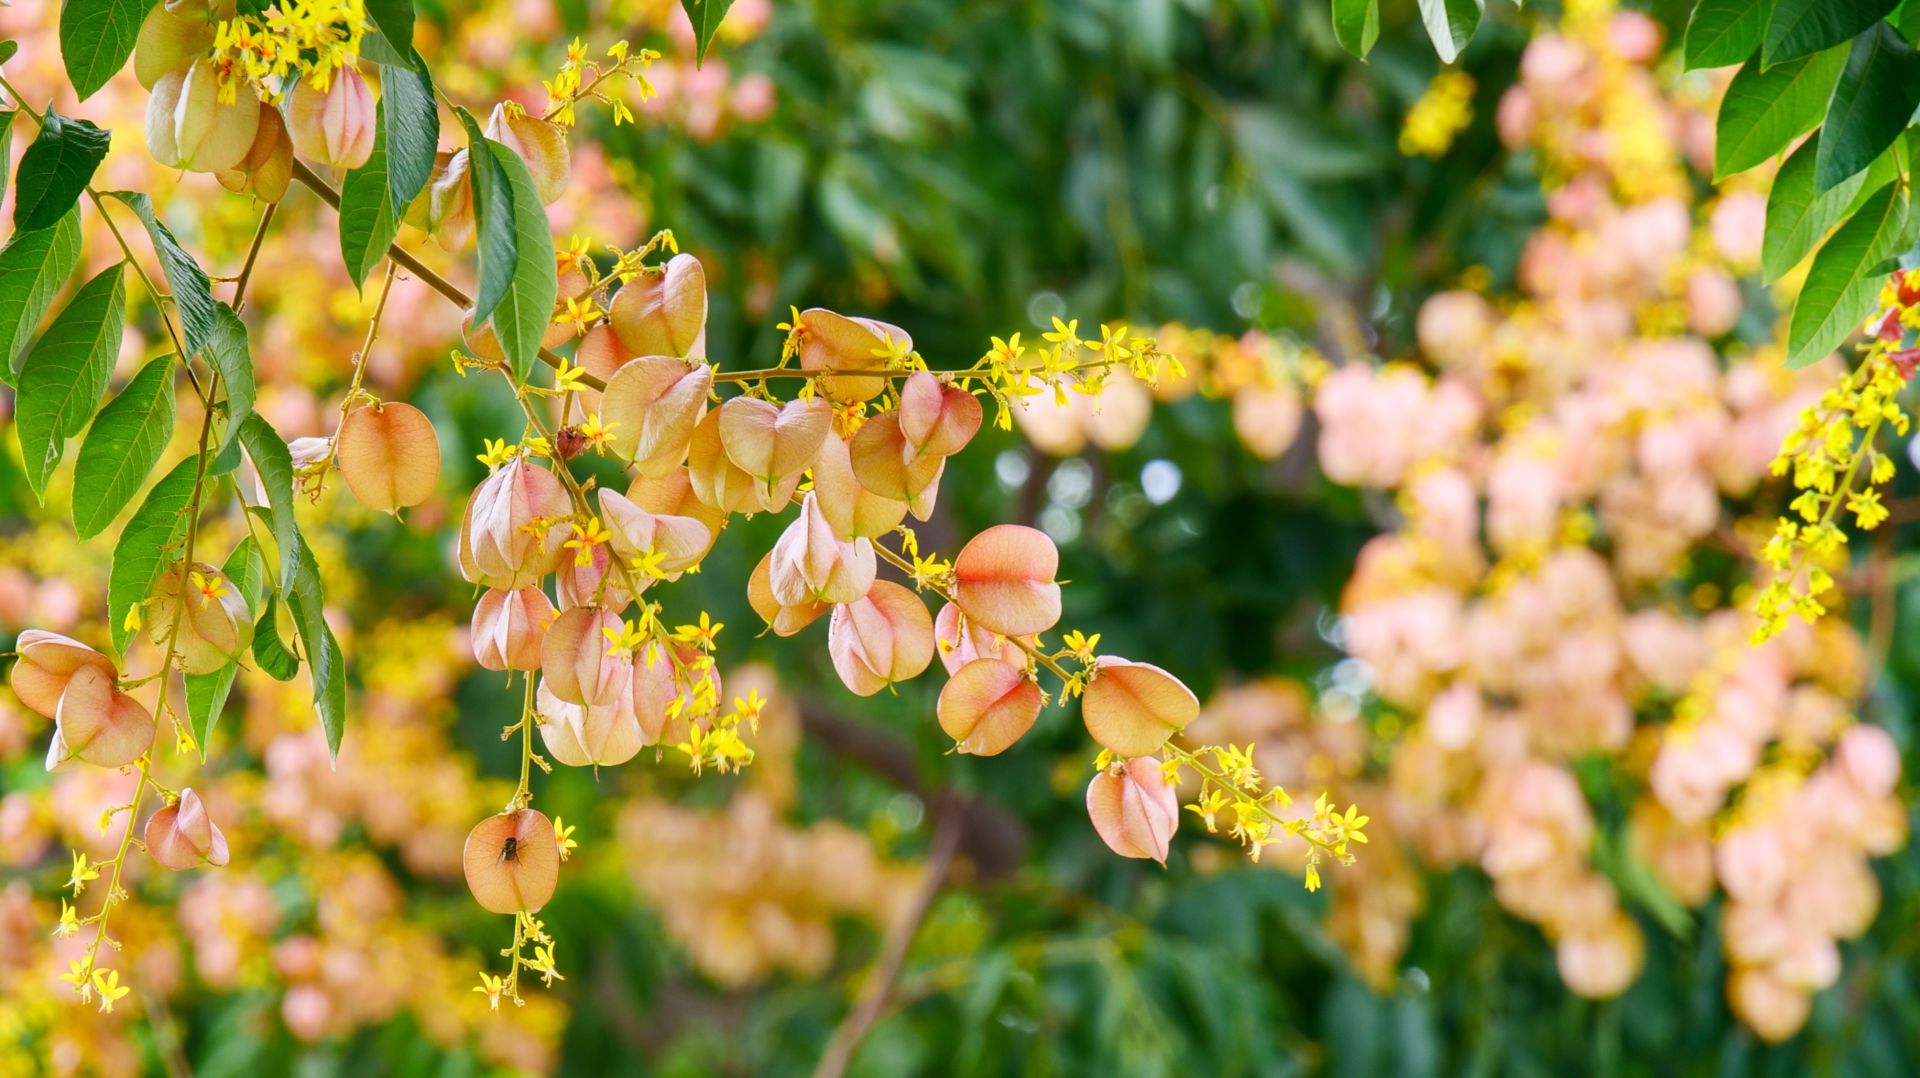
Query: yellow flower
<point x="82" y="872"/>
<point x="701" y="634"/>
<point x="78" y="975"/>
<point x="491" y="987"/>
<point x="584" y="540"/>
<point x="563" y="837"/>
<point x="111" y="990"/>
<point x="69" y="922"/>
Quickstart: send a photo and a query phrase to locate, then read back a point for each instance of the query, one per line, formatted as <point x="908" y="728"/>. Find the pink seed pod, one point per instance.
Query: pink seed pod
<point x="580" y="585"/>
<point x="672" y="495"/>
<point x="1004" y="581"/>
<point x="653" y="404"/>
<point x="182" y="836"/>
<point x="1132" y="708"/>
<point x="215" y="627"/>
<point x="512" y="861"/>
<point x="574" y="657"/>
<point x="938" y="419"/>
<point x="268" y="167"/>
<point x="889" y="465"/>
<point x="830" y="341"/>
<point x="678" y="541"/>
<point x="783" y="620"/>
<point x="663" y="312"/>
<point x="960" y="641"/>
<point x="810" y="563"/>
<point x="98" y="724"/>
<point x="653" y="691"/>
<point x="882" y="637"/>
<point x="188" y="127"/>
<point x="389" y="456"/>
<point x="46" y="661"/>
<point x="853" y="510"/>
<point x="449" y="201"/>
<point x="922" y="504"/>
<point x="988" y="705"/>
<point x="724" y="485"/>
<point x="498" y="544"/>
<point x="541" y="144"/>
<point x="771" y="442"/>
<point x="336" y="124"/>
<point x="1134" y="809"/>
<point x="172" y="37"/>
<point x="600" y="354"/>
<point x="577" y="736"/>
<point x="507" y="626"/>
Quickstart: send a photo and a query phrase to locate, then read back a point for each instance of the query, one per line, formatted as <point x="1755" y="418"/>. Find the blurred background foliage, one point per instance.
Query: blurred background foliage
<point x="965" y="170"/>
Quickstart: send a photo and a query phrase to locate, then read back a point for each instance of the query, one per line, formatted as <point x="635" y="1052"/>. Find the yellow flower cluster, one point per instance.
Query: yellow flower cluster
<point x="1837" y="464"/>
<point x="580" y="79"/>
<point x="293" y="39"/>
<point x="1439" y="116"/>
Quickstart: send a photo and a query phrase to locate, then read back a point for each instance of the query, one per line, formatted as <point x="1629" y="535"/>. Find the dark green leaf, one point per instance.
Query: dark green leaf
<point x="1451" y="23"/>
<point x="67" y="373"/>
<point x="325" y="662"/>
<point x="275" y="464"/>
<point x="375" y="46"/>
<point x="1875" y="97"/>
<point x="55" y="169"/>
<point x="493" y="217"/>
<point x="1802" y="27"/>
<point x="1840" y="291"/>
<point x="33" y="266"/>
<point x="413" y="132"/>
<point x="1764" y="111"/>
<point x="368" y="219"/>
<point x="7" y="49"/>
<point x="706" y="16"/>
<point x="151" y="533"/>
<point x="125" y="442"/>
<point x="1798" y="218"/>
<point x="207" y="693"/>
<point x="395" y="20"/>
<point x="191" y="292"/>
<point x="96" y="37"/>
<point x="228" y="354"/>
<point x="1356" y="25"/>
<point x="269" y="650"/>
<point x="1723" y="32"/>
<point x="6" y="149"/>
<point x="524" y="312"/>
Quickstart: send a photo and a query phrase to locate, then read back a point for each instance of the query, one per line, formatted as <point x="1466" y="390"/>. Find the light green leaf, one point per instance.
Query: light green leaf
<point x="706" y="16"/>
<point x="1356" y="25"/>
<point x="125" y="442"/>
<point x="228" y="354"/>
<point x="33" y="266"/>
<point x="368" y="220"/>
<point x="55" y="169"/>
<point x="1872" y="103"/>
<point x="269" y="650"/>
<point x="1764" y="111"/>
<point x="524" y="312"/>
<point x="274" y="462"/>
<point x="1798" y="218"/>
<point x="6" y="148"/>
<point x="1840" y="291"/>
<point x="1802" y="27"/>
<point x="96" y="37"/>
<point x="1451" y="23"/>
<point x="325" y="662"/>
<point x="67" y="373"/>
<point x="493" y="218"/>
<point x="1724" y="32"/>
<point x="155" y="528"/>
<point x="192" y="294"/>
<point x="207" y="693"/>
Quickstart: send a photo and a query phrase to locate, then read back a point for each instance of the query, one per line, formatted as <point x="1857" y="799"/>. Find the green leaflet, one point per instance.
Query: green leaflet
<point x="33" y="266"/>
<point x="274" y="462"/>
<point x="96" y="37"/>
<point x="55" y="170"/>
<point x="126" y="440"/>
<point x="368" y="217"/>
<point x="192" y="293"/>
<point x="1724" y="32"/>
<point x="1798" y="217"/>
<point x="1872" y="103"/>
<point x="1764" y="111"/>
<point x="706" y="16"/>
<point x="67" y="373"/>
<point x="158" y="525"/>
<point x="228" y="353"/>
<point x="1841" y="289"/>
<point x="525" y="310"/>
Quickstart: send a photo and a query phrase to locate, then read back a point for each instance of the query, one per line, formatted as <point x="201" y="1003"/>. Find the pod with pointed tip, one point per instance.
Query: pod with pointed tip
<point x="882" y="637"/>
<point x="988" y="705"/>
<point x="268" y="167"/>
<point x="189" y="127"/>
<point x="852" y="509"/>
<point x="512" y="861"/>
<point x="663" y="312"/>
<point x="605" y="735"/>
<point x="832" y="341"/>
<point x="1132" y="708"/>
<point x="46" y="661"/>
<point x="783" y="620"/>
<point x="507" y="627"/>
<point x="678" y="541"/>
<point x="1004" y="580"/>
<point x="574" y="656"/>
<point x="335" y="125"/>
<point x="889" y="465"/>
<point x="540" y="144"/>
<point x="961" y="642"/>
<point x="172" y="36"/>
<point x="937" y="418"/>
<point x="214" y="629"/>
<point x="672" y="494"/>
<point x="652" y="405"/>
<point x="183" y="836"/>
<point x="98" y="724"/>
<point x="389" y="455"/>
<point x="500" y="544"/>
<point x="1134" y="809"/>
<point x="771" y="442"/>
<point x="810" y="563"/>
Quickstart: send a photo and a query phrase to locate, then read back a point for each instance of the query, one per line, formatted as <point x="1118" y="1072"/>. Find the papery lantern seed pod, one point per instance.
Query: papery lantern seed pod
<point x="214" y="627"/>
<point x="189" y="127"/>
<point x="889" y="465"/>
<point x="98" y="724"/>
<point x="600" y="354"/>
<point x="46" y="661"/>
<point x="1134" y="809"/>
<point x="1004" y="580"/>
<point x="663" y="312"/>
<point x="937" y="418"/>
<point x="508" y="626"/>
<point x="771" y="442"/>
<point x="335" y="125"/>
<point x="831" y="341"/>
<point x="268" y="167"/>
<point x="882" y="637"/>
<point x="389" y="456"/>
<point x="1132" y="708"/>
<point x="653" y="691"/>
<point x="677" y="542"/>
<point x="783" y="620"/>
<point x="540" y="144"/>
<point x="724" y="485"/>
<point x="652" y="405"/>
<point x="575" y="584"/>
<point x="961" y="642"/>
<point x="606" y="735"/>
<point x="810" y="562"/>
<point x="672" y="494"/>
<point x="852" y="510"/>
<point x="449" y="202"/>
<point x="182" y="836"/>
<point x="172" y="36"/>
<point x="511" y="533"/>
<point x="512" y="861"/>
<point x="988" y="705"/>
<point x="575" y="659"/>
